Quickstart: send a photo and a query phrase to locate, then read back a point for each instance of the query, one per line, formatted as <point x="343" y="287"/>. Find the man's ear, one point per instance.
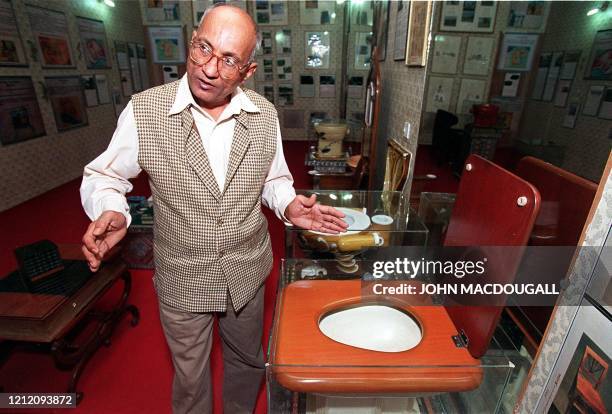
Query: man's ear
<point x="250" y="72"/>
<point x="194" y="34"/>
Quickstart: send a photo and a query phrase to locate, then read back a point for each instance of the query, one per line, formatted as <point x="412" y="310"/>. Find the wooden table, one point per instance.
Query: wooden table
<point x="51" y="319"/>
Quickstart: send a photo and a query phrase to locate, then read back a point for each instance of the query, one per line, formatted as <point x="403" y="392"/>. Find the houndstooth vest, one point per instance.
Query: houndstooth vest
<point x="207" y="242"/>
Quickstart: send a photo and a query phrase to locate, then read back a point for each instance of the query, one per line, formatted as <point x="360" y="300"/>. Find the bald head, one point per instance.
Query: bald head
<point x="229" y="14"/>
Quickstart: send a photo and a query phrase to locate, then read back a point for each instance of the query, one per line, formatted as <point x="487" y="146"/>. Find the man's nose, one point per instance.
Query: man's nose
<point x="211" y="68"/>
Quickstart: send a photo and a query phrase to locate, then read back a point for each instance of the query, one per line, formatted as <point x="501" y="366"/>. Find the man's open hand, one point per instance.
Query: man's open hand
<point x="306" y="213"/>
<point x="102" y="235"/>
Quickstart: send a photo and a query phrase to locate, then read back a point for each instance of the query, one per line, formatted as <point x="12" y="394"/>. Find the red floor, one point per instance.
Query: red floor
<point x="134" y="374"/>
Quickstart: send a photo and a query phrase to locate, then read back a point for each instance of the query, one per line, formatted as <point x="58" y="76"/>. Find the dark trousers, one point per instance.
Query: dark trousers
<point x="189" y="337"/>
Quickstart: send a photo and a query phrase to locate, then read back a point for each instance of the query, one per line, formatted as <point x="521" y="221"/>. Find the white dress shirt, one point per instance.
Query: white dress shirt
<point x="105" y="179"/>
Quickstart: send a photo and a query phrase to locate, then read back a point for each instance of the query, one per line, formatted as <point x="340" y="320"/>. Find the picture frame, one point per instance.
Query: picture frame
<point x="605" y="109"/>
<point x="571" y="59"/>
<point x="160" y="12"/>
<point x="167" y="44"/>
<point x="562" y="92"/>
<point x="539" y="83"/>
<point x="12" y="52"/>
<point x="270" y="12"/>
<point x="418" y="31"/>
<point x="401" y="30"/>
<point x="317" y="12"/>
<point x="20" y="113"/>
<point x="283" y="42"/>
<point x="67" y="99"/>
<point x="468" y="16"/>
<point x="363" y="50"/>
<point x="528" y="16"/>
<point x="94" y="43"/>
<point x="517" y="52"/>
<point x="439" y="93"/>
<point x="471" y="92"/>
<point x="362" y="14"/>
<point x="598" y="67"/>
<point x="445" y="53"/>
<point x="317" y="50"/>
<point x="381" y="14"/>
<point x="478" y="55"/>
<point x="102" y="89"/>
<point x="50" y="31"/>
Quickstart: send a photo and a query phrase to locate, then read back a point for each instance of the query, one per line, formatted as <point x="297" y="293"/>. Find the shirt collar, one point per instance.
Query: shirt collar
<point x="240" y="101"/>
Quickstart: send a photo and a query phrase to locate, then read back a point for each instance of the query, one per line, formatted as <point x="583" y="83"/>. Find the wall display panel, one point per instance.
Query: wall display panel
<point x="134" y="67"/>
<point x="327" y="86"/>
<point x="102" y="89"/>
<point x="599" y="65"/>
<point x="12" y="52"/>
<point x="68" y="101"/>
<point x="593" y="100"/>
<point x="471" y="93"/>
<point x="418" y="31"/>
<point x="167" y="43"/>
<point x="285" y="94"/>
<point x="266" y="90"/>
<point x="198" y="7"/>
<point x="439" y="94"/>
<point x="20" y="115"/>
<point x="562" y="92"/>
<point x="401" y="30"/>
<point x="541" y="75"/>
<point x="283" y="68"/>
<point x="363" y="50"/>
<point x="362" y="13"/>
<point x="569" y="121"/>
<point x="382" y="22"/>
<point x="528" y="16"/>
<point x="446" y="54"/>
<point x="265" y="69"/>
<point x="317" y="50"/>
<point x="570" y="64"/>
<point x="93" y="42"/>
<point x="50" y="29"/>
<point x="266" y="43"/>
<point x="283" y="42"/>
<point x="468" y="16"/>
<point x="143" y="66"/>
<point x="158" y="12"/>
<point x="307" y="86"/>
<point x="478" y="55"/>
<point x="123" y="58"/>
<point x="270" y="12"/>
<point x="552" y="76"/>
<point x="517" y="51"/>
<point x="355" y="87"/>
<point x="317" y="12"/>
<point x="118" y="102"/>
<point x="127" y="87"/>
<point x="89" y="88"/>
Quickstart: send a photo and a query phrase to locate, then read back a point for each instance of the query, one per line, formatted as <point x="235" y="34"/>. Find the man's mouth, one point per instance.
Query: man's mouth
<point x="205" y="85"/>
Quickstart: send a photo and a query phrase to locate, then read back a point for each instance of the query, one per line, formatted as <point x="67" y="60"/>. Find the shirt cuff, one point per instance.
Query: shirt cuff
<point x="282" y="206"/>
<point x="115" y="202"/>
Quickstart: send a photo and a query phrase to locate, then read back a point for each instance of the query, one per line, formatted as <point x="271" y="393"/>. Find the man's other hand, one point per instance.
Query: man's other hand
<point x="102" y="235"/>
<point x="304" y="212"/>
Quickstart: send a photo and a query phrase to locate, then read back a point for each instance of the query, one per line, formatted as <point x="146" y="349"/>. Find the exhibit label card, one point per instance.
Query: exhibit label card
<point x="593" y="100"/>
<point x="50" y="29"/>
<point x="20" y="115"/>
<point x="11" y="52"/>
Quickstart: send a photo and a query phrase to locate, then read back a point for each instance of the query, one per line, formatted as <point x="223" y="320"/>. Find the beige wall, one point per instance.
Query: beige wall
<point x="30" y="168"/>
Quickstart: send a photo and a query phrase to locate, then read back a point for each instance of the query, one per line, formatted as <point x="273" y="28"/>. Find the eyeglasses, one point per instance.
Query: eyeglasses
<point x="227" y="66"/>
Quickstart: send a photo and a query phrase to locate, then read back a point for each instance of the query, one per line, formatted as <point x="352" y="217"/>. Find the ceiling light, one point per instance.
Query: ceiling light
<point x="603" y="7"/>
<point x="109" y="3"/>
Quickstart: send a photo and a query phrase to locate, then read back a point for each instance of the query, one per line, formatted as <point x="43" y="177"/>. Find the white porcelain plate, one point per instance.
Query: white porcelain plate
<point x="356" y="220"/>
<point x="373" y="327"/>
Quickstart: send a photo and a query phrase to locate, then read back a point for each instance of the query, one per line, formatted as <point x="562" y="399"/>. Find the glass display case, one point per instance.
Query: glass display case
<point x="376" y="219"/>
<point x="335" y="349"/>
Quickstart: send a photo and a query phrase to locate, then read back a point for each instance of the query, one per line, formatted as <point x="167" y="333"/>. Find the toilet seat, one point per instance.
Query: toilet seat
<point x="303" y="359"/>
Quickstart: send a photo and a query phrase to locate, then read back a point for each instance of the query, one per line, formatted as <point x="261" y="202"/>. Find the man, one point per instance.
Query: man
<point x="213" y="153"/>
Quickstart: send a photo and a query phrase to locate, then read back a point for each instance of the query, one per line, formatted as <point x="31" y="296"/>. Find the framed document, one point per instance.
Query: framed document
<point x="362" y="13"/>
<point x="552" y="76"/>
<point x="50" y="29"/>
<point x="68" y="101"/>
<point x="517" y="52"/>
<point x="20" y="115"/>
<point x="102" y="89"/>
<point x="605" y="110"/>
<point x="401" y="30"/>
<point x="283" y="68"/>
<point x="266" y="43"/>
<point x="528" y="16"/>
<point x="317" y="50"/>
<point x="93" y="42"/>
<point x="363" y="50"/>
<point x="471" y="93"/>
<point x="439" y="93"/>
<point x="445" y="54"/>
<point x="319" y="12"/>
<point x="478" y="55"/>
<point x="268" y="12"/>
<point x="468" y="16"/>
<point x="167" y="43"/>
<point x="382" y="23"/>
<point x="158" y="12"/>
<point x="599" y="65"/>
<point x="283" y="42"/>
<point x="571" y="114"/>
<point x="418" y="32"/>
<point x="11" y="47"/>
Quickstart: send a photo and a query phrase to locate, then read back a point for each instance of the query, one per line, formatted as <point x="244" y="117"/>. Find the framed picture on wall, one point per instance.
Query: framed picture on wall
<point x="401" y="30"/>
<point x="167" y="44"/>
<point x="599" y="65"/>
<point x="418" y="31"/>
<point x="12" y="52"/>
<point x="50" y="31"/>
<point x="102" y="89"/>
<point x="382" y="24"/>
<point x="162" y="12"/>
<point x="272" y="13"/>
<point x="468" y="16"/>
<point x="570" y="64"/>
<point x="363" y="50"/>
<point x="314" y="12"/>
<point x="93" y="43"/>
<point x="20" y="114"/>
<point x="478" y="55"/>
<point x="528" y="16"/>
<point x="439" y="92"/>
<point x="362" y="13"/>
<point x="445" y="54"/>
<point x="283" y="42"/>
<point x="544" y="63"/>
<point x="317" y="50"/>
<point x="68" y="101"/>
<point x="517" y="51"/>
<point x="472" y="92"/>
<point x="266" y="43"/>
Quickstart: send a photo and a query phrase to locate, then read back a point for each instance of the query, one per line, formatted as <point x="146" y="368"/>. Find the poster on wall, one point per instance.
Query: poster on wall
<point x="283" y="42"/>
<point x="471" y="93"/>
<point x="418" y="31"/>
<point x="123" y="59"/>
<point x="167" y="43"/>
<point x="198" y="7"/>
<point x="516" y="52"/>
<point x="599" y="65"/>
<point x="528" y="16"/>
<point x="439" y="94"/>
<point x="552" y="76"/>
<point x="541" y="75"/>
<point x="317" y="12"/>
<point x="11" y="47"/>
<point x="20" y="115"/>
<point x="134" y="68"/>
<point x="67" y="101"/>
<point x="89" y="88"/>
<point x="102" y="89"/>
<point x="401" y="30"/>
<point x="283" y="68"/>
<point x="93" y="42"/>
<point x="570" y="64"/>
<point x="269" y="12"/>
<point x="445" y="54"/>
<point x="363" y="50"/>
<point x="593" y="100"/>
<point x="50" y="29"/>
<point x="161" y="12"/>
<point x="478" y="55"/>
<point x="143" y="66"/>
<point x="382" y="23"/>
<point x="317" y="50"/>
<point x="468" y="16"/>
